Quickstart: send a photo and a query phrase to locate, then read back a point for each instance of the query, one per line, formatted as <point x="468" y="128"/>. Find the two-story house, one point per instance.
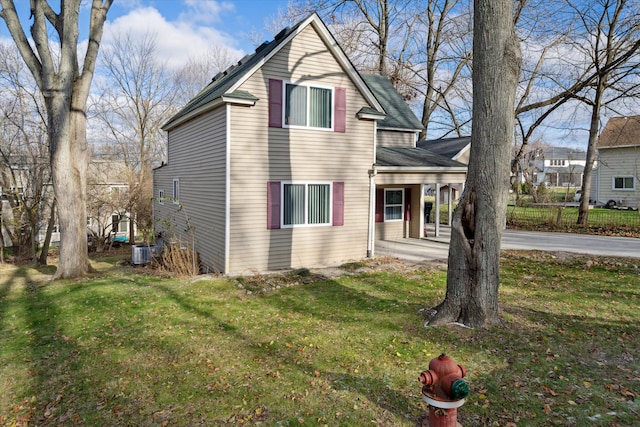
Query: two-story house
<point x="618" y="171"/>
<point x="291" y="158"/>
<point x="562" y="167"/>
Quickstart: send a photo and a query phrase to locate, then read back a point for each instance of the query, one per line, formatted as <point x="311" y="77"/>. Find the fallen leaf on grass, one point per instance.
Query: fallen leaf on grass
<point x="624" y="391"/>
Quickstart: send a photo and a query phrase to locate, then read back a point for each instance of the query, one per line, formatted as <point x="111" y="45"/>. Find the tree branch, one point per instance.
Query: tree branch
<point x="10" y="16"/>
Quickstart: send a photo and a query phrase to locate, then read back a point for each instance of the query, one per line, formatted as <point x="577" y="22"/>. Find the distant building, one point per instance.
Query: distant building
<point x="561" y="167"/>
<point x="616" y="177"/>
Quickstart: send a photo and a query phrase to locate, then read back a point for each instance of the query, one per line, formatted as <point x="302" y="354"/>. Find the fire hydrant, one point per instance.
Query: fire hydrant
<point x="444" y="390"/>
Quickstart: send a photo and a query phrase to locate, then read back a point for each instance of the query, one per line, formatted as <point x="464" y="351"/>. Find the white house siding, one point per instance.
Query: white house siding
<point x="260" y="154"/>
<point x="387" y="138"/>
<point x="618" y="161"/>
<point x="198" y="150"/>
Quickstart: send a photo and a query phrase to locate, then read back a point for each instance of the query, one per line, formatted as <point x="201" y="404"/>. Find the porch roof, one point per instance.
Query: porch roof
<point x="399" y="157"/>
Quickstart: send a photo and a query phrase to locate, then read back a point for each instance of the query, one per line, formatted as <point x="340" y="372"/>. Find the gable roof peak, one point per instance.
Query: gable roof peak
<point x="233" y="77"/>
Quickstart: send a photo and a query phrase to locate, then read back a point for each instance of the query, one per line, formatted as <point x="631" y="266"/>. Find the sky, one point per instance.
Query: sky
<point x="183" y="28"/>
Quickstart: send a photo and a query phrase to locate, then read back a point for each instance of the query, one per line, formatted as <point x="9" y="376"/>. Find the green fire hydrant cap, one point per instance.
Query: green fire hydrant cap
<point x="459" y="389"/>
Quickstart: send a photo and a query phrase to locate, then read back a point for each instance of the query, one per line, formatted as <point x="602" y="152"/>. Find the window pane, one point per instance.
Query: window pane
<point x="393" y="212"/>
<point x="296" y="105"/>
<point x="123" y="225"/>
<point x="628" y="182"/>
<point x="318" y="204"/>
<point x="393" y="197"/>
<point x="320" y="107"/>
<point x="293" y="204"/>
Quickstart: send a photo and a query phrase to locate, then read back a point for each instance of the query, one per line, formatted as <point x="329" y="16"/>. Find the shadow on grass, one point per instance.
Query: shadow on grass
<point x="331" y="301"/>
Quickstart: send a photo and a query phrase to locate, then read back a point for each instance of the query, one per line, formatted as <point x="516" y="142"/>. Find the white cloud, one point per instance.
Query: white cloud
<point x="205" y="12"/>
<point x="179" y="40"/>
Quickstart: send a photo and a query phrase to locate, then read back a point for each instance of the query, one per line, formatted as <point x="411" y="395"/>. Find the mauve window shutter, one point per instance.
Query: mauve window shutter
<point x="340" y="113"/>
<point x="273" y="205"/>
<point x="338" y="204"/>
<point x="380" y="205"/>
<point x="407" y="204"/>
<point x="275" y="103"/>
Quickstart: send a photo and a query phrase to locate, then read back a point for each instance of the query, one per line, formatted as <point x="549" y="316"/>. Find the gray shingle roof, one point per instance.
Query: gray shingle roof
<point x="223" y="81"/>
<point x="399" y="115"/>
<point x="412" y="157"/>
<point x="447" y="147"/>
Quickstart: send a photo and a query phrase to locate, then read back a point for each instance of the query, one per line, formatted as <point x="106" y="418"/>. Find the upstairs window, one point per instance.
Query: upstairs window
<point x="307" y="106"/>
<point x="623" y="183"/>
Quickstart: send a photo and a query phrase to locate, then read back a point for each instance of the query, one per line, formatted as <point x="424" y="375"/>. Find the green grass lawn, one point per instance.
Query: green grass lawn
<point x="127" y="347"/>
<point x="605" y="220"/>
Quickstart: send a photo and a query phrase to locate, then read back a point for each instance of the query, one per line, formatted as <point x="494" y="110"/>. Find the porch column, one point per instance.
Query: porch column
<point x="422" y="223"/>
<point x="372" y="213"/>
<point x="437" y="215"/>
<point x="450" y="204"/>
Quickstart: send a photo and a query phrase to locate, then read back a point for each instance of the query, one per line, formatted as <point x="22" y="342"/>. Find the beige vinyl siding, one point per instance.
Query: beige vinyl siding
<point x="387" y="138"/>
<point x="260" y="154"/>
<point x="197" y="157"/>
<point x="621" y="161"/>
<point x="391" y="230"/>
<point x="464" y="158"/>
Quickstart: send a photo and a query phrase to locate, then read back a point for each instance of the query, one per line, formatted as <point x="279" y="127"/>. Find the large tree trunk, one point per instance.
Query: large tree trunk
<point x="473" y="273"/>
<point x="69" y="163"/>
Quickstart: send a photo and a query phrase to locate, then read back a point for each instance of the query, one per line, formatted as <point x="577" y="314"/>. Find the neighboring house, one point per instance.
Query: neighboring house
<point x="291" y="158"/>
<point x="562" y="167"/>
<point x="108" y="201"/>
<point x="616" y="177"/>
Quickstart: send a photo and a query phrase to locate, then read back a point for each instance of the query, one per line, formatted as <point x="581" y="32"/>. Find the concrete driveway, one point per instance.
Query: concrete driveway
<point x="432" y="248"/>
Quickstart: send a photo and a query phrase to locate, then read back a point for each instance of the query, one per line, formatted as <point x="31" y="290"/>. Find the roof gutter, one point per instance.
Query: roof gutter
<point x="383" y="169"/>
<point x="398" y="129"/>
<point x="224" y="99"/>
<point x="620" y="146"/>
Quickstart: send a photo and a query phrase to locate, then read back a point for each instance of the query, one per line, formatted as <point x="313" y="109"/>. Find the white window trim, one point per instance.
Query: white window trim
<point x="161" y="197"/>
<point x="385" y="205"/>
<point x="307" y="85"/>
<point x="176" y="191"/>
<point x="306" y="205"/>
<point x="633" y="183"/>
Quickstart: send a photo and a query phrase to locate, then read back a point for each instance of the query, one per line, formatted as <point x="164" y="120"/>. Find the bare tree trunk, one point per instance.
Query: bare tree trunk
<point x="44" y="252"/>
<point x="69" y="162"/>
<point x="474" y="254"/>
<point x="594" y="127"/>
